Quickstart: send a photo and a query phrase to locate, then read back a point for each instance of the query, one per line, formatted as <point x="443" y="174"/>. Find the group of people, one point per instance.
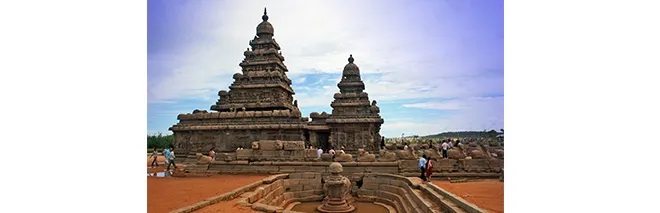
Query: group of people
<point x="426" y="167"/>
<point x="169" y="157"/>
<point x="331" y="151"/>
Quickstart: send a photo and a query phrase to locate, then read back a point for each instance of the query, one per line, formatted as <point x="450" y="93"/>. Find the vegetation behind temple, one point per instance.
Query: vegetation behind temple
<point x="159" y="141"/>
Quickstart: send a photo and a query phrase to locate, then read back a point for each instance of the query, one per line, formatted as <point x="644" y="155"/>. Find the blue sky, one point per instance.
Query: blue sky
<point x="433" y="66"/>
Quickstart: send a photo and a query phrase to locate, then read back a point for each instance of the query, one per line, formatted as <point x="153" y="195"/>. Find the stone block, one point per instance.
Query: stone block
<point x="326" y="157"/>
<point x="243" y="154"/>
<point x="343" y="158"/>
<point x="295" y="175"/>
<point x="409" y="165"/>
<point x="475" y="165"/>
<point x="309" y="175"/>
<point x="370" y="185"/>
<point x="293" y="145"/>
<point x="266" y="169"/>
<point x="269" y="145"/>
<point x="448" y="165"/>
<point x="317" y="186"/>
<point x="294" y="188"/>
<point x="405" y="154"/>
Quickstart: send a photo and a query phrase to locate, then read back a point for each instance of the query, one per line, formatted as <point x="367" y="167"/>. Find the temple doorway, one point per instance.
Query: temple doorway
<point x="323" y="139"/>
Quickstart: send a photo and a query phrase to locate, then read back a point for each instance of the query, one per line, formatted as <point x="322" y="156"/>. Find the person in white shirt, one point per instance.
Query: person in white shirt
<point x="171" y="158"/>
<point x="445" y="147"/>
<point x="319" y="152"/>
<point x="342" y="150"/>
<point x="332" y="152"/>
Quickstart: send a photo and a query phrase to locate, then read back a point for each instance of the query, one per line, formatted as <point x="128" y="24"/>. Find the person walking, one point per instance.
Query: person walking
<point x="445" y="147"/>
<point x="422" y="167"/>
<point x="171" y="158"/>
<point x="154" y="155"/>
<point x="429" y="169"/>
<point x="166" y="153"/>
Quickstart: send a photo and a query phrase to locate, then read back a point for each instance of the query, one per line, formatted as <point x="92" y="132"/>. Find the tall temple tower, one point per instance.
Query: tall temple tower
<point x="263" y="85"/>
<point x="354" y="122"/>
<point x="258" y="106"/>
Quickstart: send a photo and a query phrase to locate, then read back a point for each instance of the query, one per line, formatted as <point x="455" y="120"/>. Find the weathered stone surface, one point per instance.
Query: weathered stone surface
<point x="364" y="156"/>
<point x="343" y="157"/>
<point x="455" y="153"/>
<point x="243" y="154"/>
<point x="293" y="145"/>
<point x="433" y="153"/>
<point x="387" y="156"/>
<point x="202" y="159"/>
<point x="478" y="154"/>
<point x="326" y="157"/>
<point x="500" y="153"/>
<point x="270" y="145"/>
<point x="405" y="154"/>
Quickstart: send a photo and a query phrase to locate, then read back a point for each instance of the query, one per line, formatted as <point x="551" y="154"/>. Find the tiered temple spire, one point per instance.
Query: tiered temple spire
<point x="263" y="83"/>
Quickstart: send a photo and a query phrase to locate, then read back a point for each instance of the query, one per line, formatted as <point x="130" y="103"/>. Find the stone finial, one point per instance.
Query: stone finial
<point x="350" y="59"/>
<point x="265" y="16"/>
<point x="336" y="168"/>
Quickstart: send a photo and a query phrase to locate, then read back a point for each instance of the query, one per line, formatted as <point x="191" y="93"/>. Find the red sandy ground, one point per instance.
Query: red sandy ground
<point x="486" y="194"/>
<point x="167" y="194"/>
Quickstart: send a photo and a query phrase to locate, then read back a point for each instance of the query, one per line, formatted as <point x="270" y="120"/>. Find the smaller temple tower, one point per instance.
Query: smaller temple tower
<point x="355" y="121"/>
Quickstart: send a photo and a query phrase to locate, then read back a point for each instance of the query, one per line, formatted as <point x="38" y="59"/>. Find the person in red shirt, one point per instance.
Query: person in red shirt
<point x="429" y="169"/>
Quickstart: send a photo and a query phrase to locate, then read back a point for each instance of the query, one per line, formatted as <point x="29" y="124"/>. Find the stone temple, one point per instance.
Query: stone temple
<point x="259" y="107"/>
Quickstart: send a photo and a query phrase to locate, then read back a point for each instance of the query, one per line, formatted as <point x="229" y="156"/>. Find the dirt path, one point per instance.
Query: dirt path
<point x="486" y="194"/>
<point x="167" y="194"/>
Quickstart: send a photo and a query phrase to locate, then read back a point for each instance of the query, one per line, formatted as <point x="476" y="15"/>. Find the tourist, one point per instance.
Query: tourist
<point x="429" y="169"/>
<point x="166" y="153"/>
<point x="342" y="150"/>
<point x="319" y="152"/>
<point x="212" y="153"/>
<point x="382" y="142"/>
<point x="405" y="145"/>
<point x="332" y="152"/>
<point x="171" y="159"/>
<point x="155" y="156"/>
<point x="445" y="147"/>
<point x="422" y="167"/>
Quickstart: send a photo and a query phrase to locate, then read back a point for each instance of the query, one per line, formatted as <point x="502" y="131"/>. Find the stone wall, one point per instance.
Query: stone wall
<point x="452" y="168"/>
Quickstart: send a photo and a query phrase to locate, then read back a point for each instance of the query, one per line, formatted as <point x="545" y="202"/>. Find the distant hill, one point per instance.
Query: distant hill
<point x="464" y="134"/>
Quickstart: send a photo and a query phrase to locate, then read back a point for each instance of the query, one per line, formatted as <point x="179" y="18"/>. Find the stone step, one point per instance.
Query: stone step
<point x="446" y="203"/>
<point x="432" y="205"/>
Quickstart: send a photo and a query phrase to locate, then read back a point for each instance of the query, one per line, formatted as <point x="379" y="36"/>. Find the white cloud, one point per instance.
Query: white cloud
<point x="467" y="114"/>
<point x="318" y="39"/>
<point x="325" y="49"/>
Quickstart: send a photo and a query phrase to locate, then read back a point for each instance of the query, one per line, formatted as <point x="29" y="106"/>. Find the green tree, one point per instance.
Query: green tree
<point x="159" y="141"/>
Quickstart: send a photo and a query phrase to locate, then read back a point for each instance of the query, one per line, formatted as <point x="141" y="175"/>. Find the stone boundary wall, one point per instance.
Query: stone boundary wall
<point x="469" y="168"/>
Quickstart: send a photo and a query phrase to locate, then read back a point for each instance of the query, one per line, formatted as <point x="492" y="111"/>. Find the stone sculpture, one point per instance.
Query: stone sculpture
<point x="364" y="156"/>
<point x="387" y="156"/>
<point x="203" y="159"/>
<point x="343" y="157"/>
<point x="337" y="189"/>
